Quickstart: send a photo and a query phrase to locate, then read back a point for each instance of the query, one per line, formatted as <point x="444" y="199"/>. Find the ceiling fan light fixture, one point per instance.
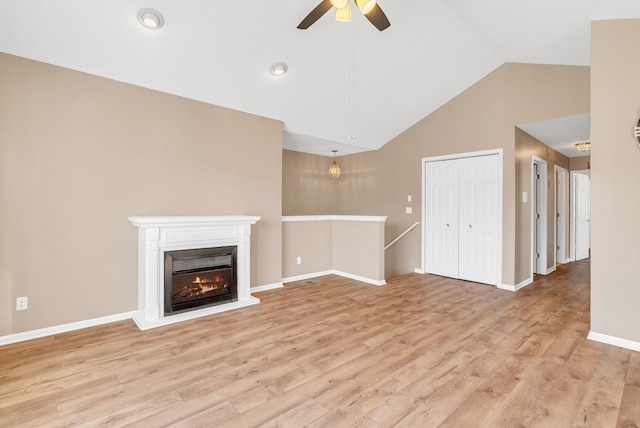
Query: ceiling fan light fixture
<point x="339" y="4"/>
<point x="150" y="18"/>
<point x="344" y="13"/>
<point x="366" y="6"/>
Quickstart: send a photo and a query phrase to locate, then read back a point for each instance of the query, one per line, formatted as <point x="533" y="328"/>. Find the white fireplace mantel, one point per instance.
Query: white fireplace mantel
<point x="157" y="234"/>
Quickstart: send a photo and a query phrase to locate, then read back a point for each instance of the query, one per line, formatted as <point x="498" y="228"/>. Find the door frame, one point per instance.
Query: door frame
<point x="499" y="153"/>
<point x="539" y="234"/>
<point x="560" y="214"/>
<point x="572" y="220"/>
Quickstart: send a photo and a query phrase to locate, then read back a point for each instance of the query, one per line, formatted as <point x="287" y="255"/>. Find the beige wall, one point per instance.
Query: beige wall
<point x="615" y="108"/>
<point x="527" y="147"/>
<point x="580" y="163"/>
<point x="350" y="246"/>
<point x="307" y="188"/>
<point x="481" y="118"/>
<point x="311" y="240"/>
<point x="358" y="248"/>
<point x="79" y="153"/>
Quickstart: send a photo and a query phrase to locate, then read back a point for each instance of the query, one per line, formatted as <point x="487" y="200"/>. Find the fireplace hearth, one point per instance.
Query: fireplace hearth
<point x="199" y="278"/>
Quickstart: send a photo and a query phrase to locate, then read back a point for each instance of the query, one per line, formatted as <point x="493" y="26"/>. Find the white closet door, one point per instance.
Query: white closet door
<point x="442" y="218"/>
<point x="461" y="218"/>
<point x="478" y="236"/>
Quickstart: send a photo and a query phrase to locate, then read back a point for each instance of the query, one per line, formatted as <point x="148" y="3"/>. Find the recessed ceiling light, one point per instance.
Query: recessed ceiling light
<point x="278" y="69"/>
<point x="150" y="18"/>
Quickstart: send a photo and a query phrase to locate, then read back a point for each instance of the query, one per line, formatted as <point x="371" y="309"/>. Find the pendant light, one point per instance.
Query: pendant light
<point x="334" y="169"/>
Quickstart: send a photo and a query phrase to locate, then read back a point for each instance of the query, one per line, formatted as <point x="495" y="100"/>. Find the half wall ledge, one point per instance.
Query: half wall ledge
<point x="347" y="245"/>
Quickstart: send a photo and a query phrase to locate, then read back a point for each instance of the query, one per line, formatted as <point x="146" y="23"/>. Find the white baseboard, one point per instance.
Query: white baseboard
<point x="50" y="331"/>
<point x="612" y="340"/>
<point x="516" y="287"/>
<point x="306" y="276"/>
<point x="420" y="271"/>
<point x="360" y="278"/>
<point x="334" y="272"/>
<point x="267" y="287"/>
<point x="551" y="269"/>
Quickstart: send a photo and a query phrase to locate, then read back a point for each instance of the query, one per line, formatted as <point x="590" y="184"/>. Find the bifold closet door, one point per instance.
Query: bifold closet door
<point x="461" y="218"/>
<point x="478" y="189"/>
<point x="442" y="218"/>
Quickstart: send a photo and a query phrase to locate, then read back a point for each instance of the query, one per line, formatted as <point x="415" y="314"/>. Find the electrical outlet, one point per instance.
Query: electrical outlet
<point x="299" y="260"/>
<point x="408" y="210"/>
<point x="22" y="303"/>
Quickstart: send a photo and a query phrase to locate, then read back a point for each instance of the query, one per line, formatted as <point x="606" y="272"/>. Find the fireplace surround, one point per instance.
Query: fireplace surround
<point x="159" y="236"/>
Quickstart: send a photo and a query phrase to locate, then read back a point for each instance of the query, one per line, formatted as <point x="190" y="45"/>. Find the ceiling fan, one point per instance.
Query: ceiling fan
<point x="369" y="8"/>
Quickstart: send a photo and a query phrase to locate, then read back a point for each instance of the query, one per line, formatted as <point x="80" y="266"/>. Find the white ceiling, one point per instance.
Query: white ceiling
<point x="562" y="133"/>
<point x="344" y="79"/>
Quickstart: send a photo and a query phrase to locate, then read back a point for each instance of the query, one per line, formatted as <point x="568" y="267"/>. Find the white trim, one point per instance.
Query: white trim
<point x="499" y="153"/>
<point x="267" y="287"/>
<point x="550" y="270"/>
<point x="191" y="221"/>
<point x="63" y="328"/>
<point x="334" y="272"/>
<point x="560" y="223"/>
<point x="540" y="264"/>
<point x="516" y="287"/>
<point x="615" y="341"/>
<point x="463" y="155"/>
<point x="360" y="278"/>
<point x="289" y="218"/>
<point x="306" y="276"/>
<point x="418" y="270"/>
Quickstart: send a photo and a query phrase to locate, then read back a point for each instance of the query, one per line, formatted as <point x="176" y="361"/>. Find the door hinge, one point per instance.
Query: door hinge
<point x="537" y="255"/>
<point x="538" y="216"/>
<point x="558" y="215"/>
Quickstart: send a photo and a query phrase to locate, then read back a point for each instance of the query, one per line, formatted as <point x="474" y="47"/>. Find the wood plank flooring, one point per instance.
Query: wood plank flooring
<point x="422" y="351"/>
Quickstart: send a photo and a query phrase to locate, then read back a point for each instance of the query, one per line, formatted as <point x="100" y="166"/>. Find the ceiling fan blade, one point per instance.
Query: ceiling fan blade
<point x="378" y="18"/>
<point x="315" y="14"/>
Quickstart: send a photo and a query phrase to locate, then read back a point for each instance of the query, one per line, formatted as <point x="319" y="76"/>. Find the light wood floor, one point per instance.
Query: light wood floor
<point x="421" y="351"/>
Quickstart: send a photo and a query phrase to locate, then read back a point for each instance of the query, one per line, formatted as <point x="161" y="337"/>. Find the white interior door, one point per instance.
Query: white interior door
<point x="582" y="216"/>
<point x="441" y="218"/>
<point x="561" y="214"/>
<point x="478" y="181"/>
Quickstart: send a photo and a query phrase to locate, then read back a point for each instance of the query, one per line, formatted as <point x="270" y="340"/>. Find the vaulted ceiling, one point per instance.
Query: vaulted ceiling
<point x="349" y="86"/>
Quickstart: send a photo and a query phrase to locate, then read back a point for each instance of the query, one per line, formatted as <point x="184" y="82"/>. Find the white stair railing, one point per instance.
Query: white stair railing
<point x="413" y="226"/>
